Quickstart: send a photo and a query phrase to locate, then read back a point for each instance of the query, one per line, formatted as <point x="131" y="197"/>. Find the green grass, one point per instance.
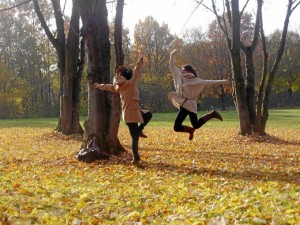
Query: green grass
<point x="285" y="118"/>
<point x="32" y="122"/>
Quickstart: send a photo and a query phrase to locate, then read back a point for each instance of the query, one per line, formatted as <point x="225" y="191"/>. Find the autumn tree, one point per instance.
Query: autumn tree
<point x="244" y="89"/>
<point x="70" y="64"/>
<point x="29" y="84"/>
<point x="288" y="78"/>
<point x="268" y="76"/>
<point x="248" y="44"/>
<point x="157" y="41"/>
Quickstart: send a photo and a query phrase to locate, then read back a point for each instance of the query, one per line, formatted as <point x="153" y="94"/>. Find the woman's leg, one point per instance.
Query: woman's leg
<point x="194" y="120"/>
<point x="199" y="123"/>
<point x="146" y="117"/>
<point x="181" y="115"/>
<point x="178" y="127"/>
<point x="134" y="133"/>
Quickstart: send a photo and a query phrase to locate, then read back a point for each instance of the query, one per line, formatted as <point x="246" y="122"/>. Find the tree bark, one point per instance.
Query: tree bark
<point x="292" y="5"/>
<point x="67" y="55"/>
<point x="115" y="116"/>
<point x="95" y="32"/>
<point x="250" y="68"/>
<point x="70" y="116"/>
<point x="238" y="79"/>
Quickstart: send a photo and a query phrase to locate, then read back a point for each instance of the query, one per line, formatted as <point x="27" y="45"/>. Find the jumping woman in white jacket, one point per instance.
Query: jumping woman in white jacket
<point x="188" y="88"/>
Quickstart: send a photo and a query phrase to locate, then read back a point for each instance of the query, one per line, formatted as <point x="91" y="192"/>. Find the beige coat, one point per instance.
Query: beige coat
<point x="188" y="88"/>
<point x="131" y="111"/>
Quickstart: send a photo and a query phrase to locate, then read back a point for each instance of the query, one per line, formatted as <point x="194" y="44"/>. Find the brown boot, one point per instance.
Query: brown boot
<point x="142" y="135"/>
<point x="211" y="115"/>
<point x="189" y="130"/>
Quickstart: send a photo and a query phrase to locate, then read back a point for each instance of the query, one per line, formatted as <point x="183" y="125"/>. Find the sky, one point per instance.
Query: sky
<point x="181" y="14"/>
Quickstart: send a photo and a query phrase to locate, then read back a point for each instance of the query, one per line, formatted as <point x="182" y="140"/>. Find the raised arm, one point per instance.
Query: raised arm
<point x="176" y="72"/>
<point x="137" y="70"/>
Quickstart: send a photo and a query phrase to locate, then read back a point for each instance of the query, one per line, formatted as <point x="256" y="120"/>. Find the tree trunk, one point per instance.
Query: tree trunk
<point x="250" y="68"/>
<point x="265" y="114"/>
<point x="70" y="113"/>
<point x="260" y="95"/>
<point x="76" y="127"/>
<point x="250" y="85"/>
<point x="96" y="35"/>
<point x="115" y="116"/>
<point x="67" y="64"/>
<point x="239" y="85"/>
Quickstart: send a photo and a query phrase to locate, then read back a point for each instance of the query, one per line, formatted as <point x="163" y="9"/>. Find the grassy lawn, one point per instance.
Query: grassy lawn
<point x="219" y="178"/>
<point x="284" y="118"/>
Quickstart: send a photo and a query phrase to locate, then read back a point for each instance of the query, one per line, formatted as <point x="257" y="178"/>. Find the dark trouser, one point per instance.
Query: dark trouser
<point x="146" y="117"/>
<point x="134" y="133"/>
<point x="182" y="114"/>
<point x="134" y="130"/>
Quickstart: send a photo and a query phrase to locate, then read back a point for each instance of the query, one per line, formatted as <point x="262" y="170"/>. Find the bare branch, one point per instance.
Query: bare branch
<point x="257" y="23"/>
<point x="223" y="26"/>
<point x="199" y="3"/>
<point x="15" y="6"/>
<point x="297" y="4"/>
<point x="44" y="24"/>
<point x="242" y="11"/>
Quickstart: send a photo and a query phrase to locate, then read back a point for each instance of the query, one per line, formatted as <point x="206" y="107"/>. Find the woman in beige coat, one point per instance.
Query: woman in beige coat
<point x="188" y="88"/>
<point x="125" y="83"/>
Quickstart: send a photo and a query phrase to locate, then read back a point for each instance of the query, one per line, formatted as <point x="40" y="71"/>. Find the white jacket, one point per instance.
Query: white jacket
<point x="188" y="88"/>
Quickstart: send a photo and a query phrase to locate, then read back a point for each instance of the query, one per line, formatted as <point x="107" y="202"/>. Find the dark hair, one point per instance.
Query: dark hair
<point x="190" y="69"/>
<point x="124" y="72"/>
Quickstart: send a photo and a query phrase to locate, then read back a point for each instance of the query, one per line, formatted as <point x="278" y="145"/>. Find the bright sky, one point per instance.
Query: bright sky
<point x="178" y="14"/>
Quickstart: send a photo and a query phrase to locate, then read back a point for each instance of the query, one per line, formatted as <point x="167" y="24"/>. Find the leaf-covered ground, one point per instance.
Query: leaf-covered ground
<point x="218" y="178"/>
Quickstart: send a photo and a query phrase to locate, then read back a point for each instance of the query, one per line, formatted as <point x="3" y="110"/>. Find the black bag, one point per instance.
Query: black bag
<point x="92" y="152"/>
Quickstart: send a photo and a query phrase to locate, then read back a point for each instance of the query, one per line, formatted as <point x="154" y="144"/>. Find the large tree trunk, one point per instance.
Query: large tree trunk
<point x="239" y="85"/>
<point x="96" y="34"/>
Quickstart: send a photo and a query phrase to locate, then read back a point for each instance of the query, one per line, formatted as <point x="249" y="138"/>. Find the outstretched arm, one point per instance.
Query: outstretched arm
<point x="105" y="87"/>
<point x="208" y="82"/>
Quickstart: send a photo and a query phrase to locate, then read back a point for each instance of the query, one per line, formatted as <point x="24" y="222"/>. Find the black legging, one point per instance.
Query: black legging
<point x="146" y="117"/>
<point x="134" y="130"/>
<point x="182" y="114"/>
<point x="134" y="133"/>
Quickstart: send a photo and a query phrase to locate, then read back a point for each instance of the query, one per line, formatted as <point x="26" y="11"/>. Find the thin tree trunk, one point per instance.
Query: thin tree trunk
<point x="265" y="115"/>
<point x="260" y="95"/>
<point x="77" y="89"/>
<point x="116" y="146"/>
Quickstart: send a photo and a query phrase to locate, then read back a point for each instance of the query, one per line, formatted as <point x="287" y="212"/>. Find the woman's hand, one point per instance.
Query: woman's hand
<point x="173" y="52"/>
<point x="96" y="85"/>
<point x="140" y="63"/>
